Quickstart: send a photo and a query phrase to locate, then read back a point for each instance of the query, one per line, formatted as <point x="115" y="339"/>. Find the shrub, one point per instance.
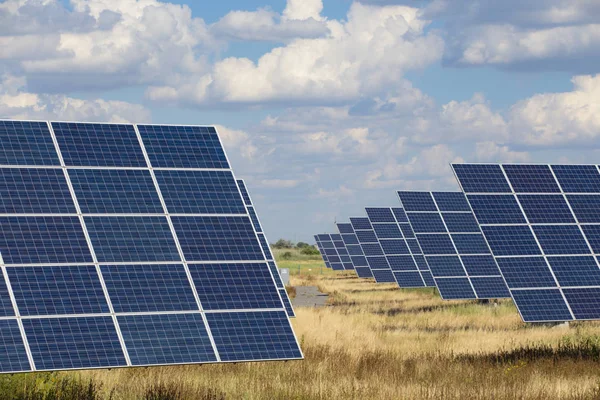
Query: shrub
<point x="283" y="244"/>
<point x="287" y="255"/>
<point x="302" y="245"/>
<point x="310" y="251"/>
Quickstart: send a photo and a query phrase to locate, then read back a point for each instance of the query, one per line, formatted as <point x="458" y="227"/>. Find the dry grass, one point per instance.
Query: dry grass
<point x="379" y="342"/>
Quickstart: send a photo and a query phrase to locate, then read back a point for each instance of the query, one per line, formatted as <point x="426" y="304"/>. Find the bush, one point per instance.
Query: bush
<point x="283" y="244"/>
<point x="302" y="245"/>
<point x="310" y="251"/>
<point x="287" y="255"/>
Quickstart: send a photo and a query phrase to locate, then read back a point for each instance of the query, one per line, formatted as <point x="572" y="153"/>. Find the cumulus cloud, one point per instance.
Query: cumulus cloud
<point x="16" y="102"/>
<point x="365" y="55"/>
<point x="300" y="19"/>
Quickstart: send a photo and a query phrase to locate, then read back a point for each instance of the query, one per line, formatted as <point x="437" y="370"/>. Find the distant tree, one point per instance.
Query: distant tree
<point x="301" y="245"/>
<point x="310" y="251"/>
<point x="287" y="255"/>
<point x="283" y="244"/>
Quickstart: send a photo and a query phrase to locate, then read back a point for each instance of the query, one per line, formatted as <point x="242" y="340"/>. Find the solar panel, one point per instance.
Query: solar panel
<point x="322" y="250"/>
<point x="540" y="223"/>
<point x="357" y="257"/>
<point x="455" y="250"/>
<point x="128" y="245"/>
<point x="372" y="250"/>
<point x="342" y="250"/>
<point x="268" y="254"/>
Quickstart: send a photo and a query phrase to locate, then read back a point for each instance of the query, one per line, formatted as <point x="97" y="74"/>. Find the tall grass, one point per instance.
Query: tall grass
<point x="371" y="342"/>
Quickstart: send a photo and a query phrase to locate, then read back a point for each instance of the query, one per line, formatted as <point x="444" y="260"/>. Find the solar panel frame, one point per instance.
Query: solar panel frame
<point x="111" y="314"/>
<point x="533" y="301"/>
<point x="458" y="275"/>
<point x="285" y="299"/>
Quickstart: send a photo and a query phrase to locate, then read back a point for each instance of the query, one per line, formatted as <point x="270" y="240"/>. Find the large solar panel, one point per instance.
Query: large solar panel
<point x="342" y="251"/>
<point x="330" y="251"/>
<point x="322" y="250"/>
<point x="127" y="245"/>
<point x="454" y="247"/>
<point x="372" y="250"/>
<point x="357" y="257"/>
<point x="541" y="223"/>
<point x="269" y="256"/>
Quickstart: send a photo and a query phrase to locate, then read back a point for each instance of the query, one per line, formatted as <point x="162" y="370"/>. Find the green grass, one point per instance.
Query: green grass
<point x="300" y="264"/>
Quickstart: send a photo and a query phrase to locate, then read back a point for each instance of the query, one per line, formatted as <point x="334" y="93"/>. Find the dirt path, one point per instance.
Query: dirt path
<point x="309" y="296"/>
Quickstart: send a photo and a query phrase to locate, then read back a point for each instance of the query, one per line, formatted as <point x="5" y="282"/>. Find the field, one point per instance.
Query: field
<point x="371" y="342"/>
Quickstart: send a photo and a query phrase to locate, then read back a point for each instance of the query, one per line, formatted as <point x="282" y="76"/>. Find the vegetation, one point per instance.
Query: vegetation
<point x="371" y="342"/>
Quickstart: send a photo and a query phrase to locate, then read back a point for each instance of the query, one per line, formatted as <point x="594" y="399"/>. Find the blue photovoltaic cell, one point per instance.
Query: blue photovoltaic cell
<point x="354" y="249"/>
<point x="241" y="336"/>
<point x="531" y="178"/>
<point x="592" y="233"/>
<point x="417" y="201"/>
<point x="345" y="228"/>
<point x="265" y="246"/>
<point x="360" y="223"/>
<point x="413" y="245"/>
<point x="511" y="240"/>
<point x="436" y="244"/>
<point x="461" y="223"/>
<point x="378" y="262"/>
<point x="6" y="307"/>
<point x="407" y="231"/>
<point x="394" y="246"/>
<point x="112" y="191"/>
<point x="126" y="239"/>
<point x="455" y="288"/>
<point x="26" y="143"/>
<point x="350" y="239"/>
<point x="366" y="236"/>
<point x="380" y="215"/>
<point x="234" y="286"/>
<point x="496" y="209"/>
<point x="275" y="274"/>
<point x="200" y="192"/>
<point x="244" y="192"/>
<point x="13" y="357"/>
<point x="254" y="219"/>
<point x="335" y="237"/>
<point x="383" y="275"/>
<point x="323" y="237"/>
<point x="541" y="305"/>
<point x="166" y="339"/>
<point x="561" y="239"/>
<point x="526" y="272"/>
<point x="421" y="263"/>
<point x="64" y="343"/>
<point x="480" y="265"/>
<point x="148" y="288"/>
<point x="38" y="240"/>
<point x="445" y="266"/>
<point x="217" y="238"/>
<point x="359" y="261"/>
<point x="401" y="263"/>
<point x="426" y="223"/>
<point x="409" y="279"/>
<point x="92" y="145"/>
<point x="546" y="209"/>
<point x="57" y="290"/>
<point x="575" y="271"/>
<point x="470" y="243"/>
<point x="363" y="272"/>
<point x="387" y="231"/>
<point x="183" y="146"/>
<point x="400" y="215"/>
<point x="584" y="302"/>
<point x="481" y="178"/>
<point x="372" y="249"/>
<point x="331" y="252"/>
<point x="578" y="178"/>
<point x="585" y="207"/>
<point x="451" y="201"/>
<point x="34" y="190"/>
<point x="287" y="303"/>
<point x="428" y="278"/>
<point x="490" y="287"/>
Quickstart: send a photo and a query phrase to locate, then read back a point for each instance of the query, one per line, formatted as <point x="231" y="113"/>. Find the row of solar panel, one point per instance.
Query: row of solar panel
<point x="29" y="143"/>
<point x="531" y="232"/>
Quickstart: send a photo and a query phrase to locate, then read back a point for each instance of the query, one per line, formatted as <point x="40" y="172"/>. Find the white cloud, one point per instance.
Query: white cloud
<point x="363" y="56"/>
<point x="300" y="19"/>
<point x="492" y="152"/>
<point x="17" y="103"/>
<point x="551" y="119"/>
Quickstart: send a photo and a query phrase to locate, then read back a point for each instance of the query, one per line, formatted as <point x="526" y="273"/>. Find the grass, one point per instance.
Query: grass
<point x="371" y="342"/>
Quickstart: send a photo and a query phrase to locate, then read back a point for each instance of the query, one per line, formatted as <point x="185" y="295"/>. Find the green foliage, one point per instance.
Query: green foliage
<point x="283" y="244"/>
<point x="287" y="255"/>
<point x="302" y="245"/>
<point x="310" y="251"/>
<point x="47" y="386"/>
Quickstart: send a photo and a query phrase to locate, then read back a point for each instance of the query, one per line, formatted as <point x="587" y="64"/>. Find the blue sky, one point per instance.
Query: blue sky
<point x="325" y="106"/>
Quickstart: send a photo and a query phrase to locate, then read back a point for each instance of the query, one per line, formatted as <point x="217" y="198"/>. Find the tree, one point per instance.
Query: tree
<point x="310" y="251"/>
<point x="283" y="244"/>
<point x="301" y="245"/>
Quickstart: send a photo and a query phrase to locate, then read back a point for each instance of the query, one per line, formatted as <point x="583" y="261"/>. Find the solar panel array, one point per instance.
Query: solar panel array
<point x="357" y="257"/>
<point x="372" y="250"/>
<point x="128" y="245"/>
<point x="542" y="223"/>
<point x="266" y="249"/>
<point x="455" y="250"/>
<point x="342" y="252"/>
<point x="318" y="239"/>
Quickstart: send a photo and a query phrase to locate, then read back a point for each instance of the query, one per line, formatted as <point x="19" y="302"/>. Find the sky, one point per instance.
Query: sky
<point x="324" y="106"/>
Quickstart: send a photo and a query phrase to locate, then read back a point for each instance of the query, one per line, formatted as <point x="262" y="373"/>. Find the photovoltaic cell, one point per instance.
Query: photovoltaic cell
<point x="548" y="255"/>
<point x="357" y="258"/>
<point x="453" y="245"/>
<point x="370" y="245"/>
<point x="119" y="243"/>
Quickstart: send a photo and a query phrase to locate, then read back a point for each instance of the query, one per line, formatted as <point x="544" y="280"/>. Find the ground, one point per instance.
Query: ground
<point x="371" y="341"/>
